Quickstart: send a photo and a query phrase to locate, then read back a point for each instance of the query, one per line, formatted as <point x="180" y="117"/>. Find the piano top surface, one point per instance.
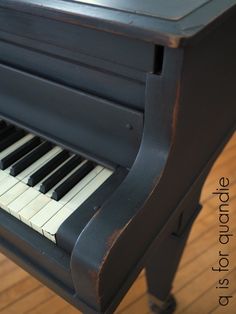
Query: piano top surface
<point x="166" y="22"/>
<point x="165" y="9"/>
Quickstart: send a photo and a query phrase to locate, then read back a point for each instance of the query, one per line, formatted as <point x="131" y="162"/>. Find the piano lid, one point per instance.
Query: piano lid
<point x="166" y="22"/>
<point x="165" y="9"/>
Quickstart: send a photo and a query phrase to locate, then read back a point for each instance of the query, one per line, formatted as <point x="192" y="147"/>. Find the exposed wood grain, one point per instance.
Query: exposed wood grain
<point x="209" y="299"/>
<point x="232" y="306"/>
<point x="29" y="302"/>
<point x="194" y="284"/>
<point x="199" y="286"/>
<point x="18" y="291"/>
<point x="6" y="267"/>
<point x="55" y="304"/>
<point x="11" y="278"/>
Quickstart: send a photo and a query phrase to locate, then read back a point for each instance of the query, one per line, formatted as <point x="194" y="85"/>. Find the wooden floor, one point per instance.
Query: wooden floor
<point x="195" y="283"/>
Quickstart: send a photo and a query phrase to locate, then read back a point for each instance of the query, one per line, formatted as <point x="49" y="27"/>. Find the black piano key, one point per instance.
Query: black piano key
<point x="15" y="136"/>
<point x="45" y="170"/>
<point x="60" y="174"/>
<point x="19" y="153"/>
<point x="5" y="131"/>
<point x="30" y="158"/>
<point x="75" y="178"/>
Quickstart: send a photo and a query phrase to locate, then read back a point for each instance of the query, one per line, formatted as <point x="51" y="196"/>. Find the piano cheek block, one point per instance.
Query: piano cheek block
<point x="71" y="229"/>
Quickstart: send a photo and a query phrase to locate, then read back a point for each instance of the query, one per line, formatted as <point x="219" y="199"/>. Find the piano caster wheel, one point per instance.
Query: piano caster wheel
<point x="159" y="307"/>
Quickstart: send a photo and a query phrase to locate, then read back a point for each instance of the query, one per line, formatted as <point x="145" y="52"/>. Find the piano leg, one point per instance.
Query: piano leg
<point x="163" y="307"/>
<point x="162" y="266"/>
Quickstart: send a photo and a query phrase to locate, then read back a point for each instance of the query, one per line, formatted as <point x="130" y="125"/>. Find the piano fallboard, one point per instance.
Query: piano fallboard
<point x="83" y="123"/>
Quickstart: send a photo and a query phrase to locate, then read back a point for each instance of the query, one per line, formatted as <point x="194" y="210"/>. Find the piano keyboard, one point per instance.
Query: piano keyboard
<point x="42" y="184"/>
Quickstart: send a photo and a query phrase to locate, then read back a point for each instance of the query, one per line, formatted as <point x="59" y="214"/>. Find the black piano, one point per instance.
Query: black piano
<point x="112" y="113"/>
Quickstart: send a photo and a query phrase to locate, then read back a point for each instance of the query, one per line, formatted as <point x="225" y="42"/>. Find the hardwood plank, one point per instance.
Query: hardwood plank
<point x="29" y="302"/>
<point x="204" y="262"/>
<point x="2" y="258"/>
<point x="5" y="267"/>
<point x="12" y="278"/>
<point x="196" y="248"/>
<point x="18" y="291"/>
<point x="209" y="188"/>
<point x="209" y="301"/>
<point x="139" y="306"/>
<point x="55" y="304"/>
<point x="230" y="308"/>
<point x="197" y="287"/>
<point x="214" y="202"/>
<point x="205" y="218"/>
<point x="228" y="156"/>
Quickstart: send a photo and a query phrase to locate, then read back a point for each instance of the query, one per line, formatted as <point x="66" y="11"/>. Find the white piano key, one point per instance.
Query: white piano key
<point x="26" y="211"/>
<point x="24" y="175"/>
<point x="3" y="175"/>
<point x="16" y="145"/>
<point x="16" y="206"/>
<point x="47" y="212"/>
<point x="89" y="189"/>
<point x="33" y="208"/>
<point x="79" y="186"/>
<point x="7" y="170"/>
<point x="7" y="184"/>
<point x="22" y="200"/>
<point x="51" y="227"/>
<point x="11" y="195"/>
<point x="36" y="209"/>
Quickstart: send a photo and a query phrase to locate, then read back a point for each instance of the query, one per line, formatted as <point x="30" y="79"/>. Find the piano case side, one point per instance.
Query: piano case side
<point x="188" y="119"/>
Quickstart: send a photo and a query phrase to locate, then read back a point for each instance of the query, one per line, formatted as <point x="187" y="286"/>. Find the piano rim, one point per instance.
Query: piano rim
<point x="173" y="34"/>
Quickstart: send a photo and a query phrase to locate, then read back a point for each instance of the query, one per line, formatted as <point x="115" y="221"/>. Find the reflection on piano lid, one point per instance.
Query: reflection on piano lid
<point x="42" y="184"/>
<point x="152" y="8"/>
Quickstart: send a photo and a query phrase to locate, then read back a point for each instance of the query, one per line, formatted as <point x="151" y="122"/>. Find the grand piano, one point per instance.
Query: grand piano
<point x="112" y="114"/>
